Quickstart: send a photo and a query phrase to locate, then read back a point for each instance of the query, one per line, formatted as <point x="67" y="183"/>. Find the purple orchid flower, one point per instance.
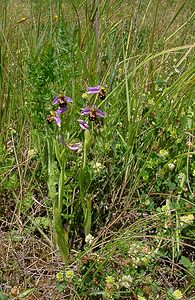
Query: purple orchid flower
<point x="72" y="146"/>
<point x="100" y="90"/>
<point x="92" y="112"/>
<point x="84" y="125"/>
<point x="54" y="117"/>
<point x="61" y="99"/>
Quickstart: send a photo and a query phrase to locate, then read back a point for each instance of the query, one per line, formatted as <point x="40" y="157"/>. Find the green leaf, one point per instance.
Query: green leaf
<point x="185" y="262"/>
<point x="87" y="139"/>
<point x="26" y="293"/>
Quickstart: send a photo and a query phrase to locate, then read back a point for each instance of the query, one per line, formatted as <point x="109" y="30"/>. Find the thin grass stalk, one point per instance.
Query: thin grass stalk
<point x="177" y="215"/>
<point x="143" y="63"/>
<point x="127" y="88"/>
<point x="173" y="19"/>
<point x="97" y="40"/>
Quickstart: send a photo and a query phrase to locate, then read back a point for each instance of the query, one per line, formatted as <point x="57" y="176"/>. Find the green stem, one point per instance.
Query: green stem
<point x="177" y="214"/>
<point x="61" y="234"/>
<point x="86" y="204"/>
<point x="84" y="157"/>
<point x="51" y="176"/>
<point x="61" y="185"/>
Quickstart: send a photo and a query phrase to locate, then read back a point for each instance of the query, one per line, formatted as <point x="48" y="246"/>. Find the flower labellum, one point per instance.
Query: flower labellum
<point x="84" y="125"/>
<point x="61" y="100"/>
<point x="102" y="93"/>
<point x="92" y="112"/>
<point x="54" y="117"/>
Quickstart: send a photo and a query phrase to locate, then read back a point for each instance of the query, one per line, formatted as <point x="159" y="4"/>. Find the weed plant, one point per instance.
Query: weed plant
<point x="123" y="206"/>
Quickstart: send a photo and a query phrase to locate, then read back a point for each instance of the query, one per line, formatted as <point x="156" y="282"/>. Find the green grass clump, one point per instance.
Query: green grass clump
<point x="132" y="184"/>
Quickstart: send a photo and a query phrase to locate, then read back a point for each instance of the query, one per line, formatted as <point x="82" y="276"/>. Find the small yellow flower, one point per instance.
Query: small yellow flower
<point x="69" y="274"/>
<point x="60" y="276"/>
<point x="31" y="152"/>
<point x="107" y="295"/>
<point x="141" y="298"/>
<point x="177" y="295"/>
<point x="97" y="167"/>
<point x="109" y="280"/>
<point x="151" y="101"/>
<point x="186" y="220"/>
<point x="55" y="17"/>
<point x="163" y="153"/>
<point x="84" y="96"/>
<point x="89" y="239"/>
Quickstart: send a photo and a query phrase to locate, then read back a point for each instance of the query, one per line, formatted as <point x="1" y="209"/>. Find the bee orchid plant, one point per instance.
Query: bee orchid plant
<point x="55" y="153"/>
